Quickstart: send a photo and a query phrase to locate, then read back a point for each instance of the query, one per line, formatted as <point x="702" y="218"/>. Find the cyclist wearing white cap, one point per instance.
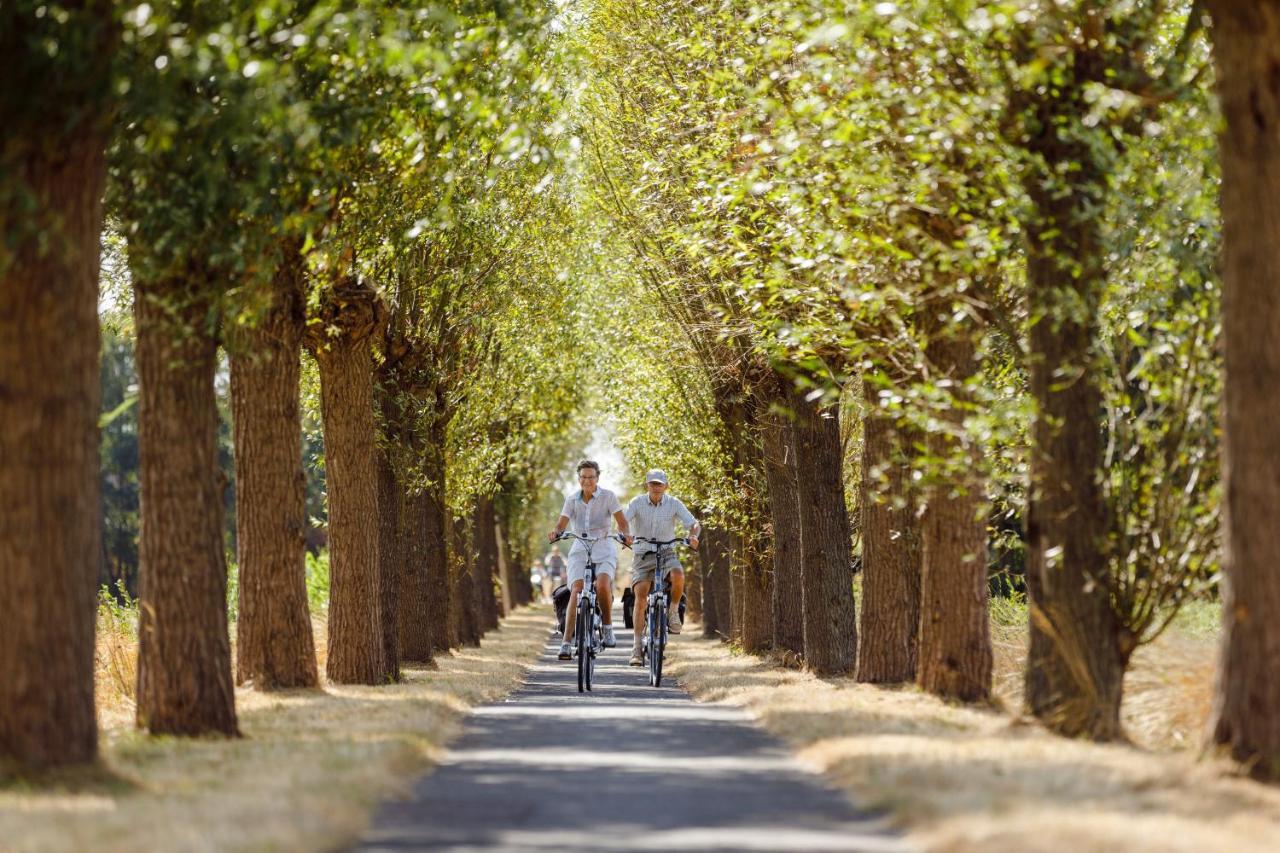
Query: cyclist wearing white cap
<point x="653" y="515"/>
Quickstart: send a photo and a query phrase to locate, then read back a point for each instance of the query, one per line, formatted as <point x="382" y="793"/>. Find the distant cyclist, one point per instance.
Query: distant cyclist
<point x="589" y="509"/>
<point x="653" y="515"/>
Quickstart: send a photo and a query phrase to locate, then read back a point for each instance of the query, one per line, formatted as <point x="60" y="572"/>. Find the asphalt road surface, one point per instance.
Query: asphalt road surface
<point x="626" y="767"/>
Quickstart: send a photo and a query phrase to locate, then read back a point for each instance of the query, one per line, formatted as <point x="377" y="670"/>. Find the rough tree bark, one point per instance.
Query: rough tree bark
<point x="1076" y="664"/>
<point x="462" y="591"/>
<point x="738" y="567"/>
<point x="392" y="553"/>
<point x="50" y="518"/>
<point x="784" y="515"/>
<point x="955" y="657"/>
<point x="1246" y="712"/>
<point x="416" y="621"/>
<point x="890" y="617"/>
<point x="717" y="561"/>
<point x="830" y="635"/>
<point x="346" y="398"/>
<point x="274" y="644"/>
<point x="488" y="560"/>
<point x="184" y="651"/>
<point x="693" y="588"/>
<point x="436" y="608"/>
<point x="706" y="572"/>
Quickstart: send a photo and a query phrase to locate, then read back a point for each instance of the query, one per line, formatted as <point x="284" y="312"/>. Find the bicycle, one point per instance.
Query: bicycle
<point x="587" y="640"/>
<point x="655" y="623"/>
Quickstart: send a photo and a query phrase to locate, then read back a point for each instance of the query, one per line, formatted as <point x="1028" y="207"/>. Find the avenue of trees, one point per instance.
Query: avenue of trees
<point x="897" y="293"/>
<point x="364" y="183"/>
<point x="965" y="254"/>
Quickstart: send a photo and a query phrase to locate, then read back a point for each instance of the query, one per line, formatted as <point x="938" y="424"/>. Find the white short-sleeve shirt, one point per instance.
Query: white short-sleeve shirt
<point x="591" y="518"/>
<point x="656" y="521"/>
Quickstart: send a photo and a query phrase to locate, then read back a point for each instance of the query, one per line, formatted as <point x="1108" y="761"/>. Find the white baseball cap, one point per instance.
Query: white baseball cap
<point x="656" y="476"/>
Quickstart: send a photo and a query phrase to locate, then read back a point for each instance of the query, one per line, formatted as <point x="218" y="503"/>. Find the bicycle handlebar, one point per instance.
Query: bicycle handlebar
<point x="589" y="541"/>
<point x="679" y="540"/>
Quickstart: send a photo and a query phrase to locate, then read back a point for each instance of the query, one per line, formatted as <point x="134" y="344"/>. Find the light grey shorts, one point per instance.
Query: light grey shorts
<point x="646" y="567"/>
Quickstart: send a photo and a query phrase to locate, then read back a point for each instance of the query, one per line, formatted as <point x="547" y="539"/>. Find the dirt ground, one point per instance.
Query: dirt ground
<point x="310" y="768"/>
<point x="957" y="778"/>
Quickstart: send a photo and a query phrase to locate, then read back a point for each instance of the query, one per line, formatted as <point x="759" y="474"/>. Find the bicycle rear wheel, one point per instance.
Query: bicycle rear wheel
<point x="660" y="646"/>
<point x="582" y="639"/>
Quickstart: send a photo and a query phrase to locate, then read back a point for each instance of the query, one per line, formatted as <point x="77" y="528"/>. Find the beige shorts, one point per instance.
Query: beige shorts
<point x="646" y="567"/>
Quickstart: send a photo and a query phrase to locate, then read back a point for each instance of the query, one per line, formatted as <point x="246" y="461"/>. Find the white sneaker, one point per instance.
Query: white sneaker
<point x="566" y="653"/>
<point x="673" y="622"/>
<point x="609" y="640"/>
<point x="637" y="656"/>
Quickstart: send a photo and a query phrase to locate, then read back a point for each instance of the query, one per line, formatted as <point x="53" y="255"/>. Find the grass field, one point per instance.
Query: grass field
<point x="307" y="774"/>
<point x="961" y="779"/>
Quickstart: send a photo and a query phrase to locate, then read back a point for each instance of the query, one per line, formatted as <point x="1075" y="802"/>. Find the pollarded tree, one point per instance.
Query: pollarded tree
<point x="56" y="106"/>
<point x="188" y="123"/>
<point x="1246" y="44"/>
<point x="1068" y="139"/>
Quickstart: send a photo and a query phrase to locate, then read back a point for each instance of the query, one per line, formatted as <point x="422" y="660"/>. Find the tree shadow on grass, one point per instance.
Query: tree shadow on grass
<point x="83" y="779"/>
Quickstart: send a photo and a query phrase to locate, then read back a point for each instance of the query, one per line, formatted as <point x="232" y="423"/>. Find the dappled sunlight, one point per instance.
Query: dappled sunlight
<point x="311" y="764"/>
<point x="961" y="778"/>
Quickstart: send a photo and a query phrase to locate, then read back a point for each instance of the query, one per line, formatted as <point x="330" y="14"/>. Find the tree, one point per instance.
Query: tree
<point x="891" y="545"/>
<point x="830" y="635"/>
<point x="56" y="106"/>
<point x="349" y="316"/>
<point x="274" y="646"/>
<point x="1246" y="712"/>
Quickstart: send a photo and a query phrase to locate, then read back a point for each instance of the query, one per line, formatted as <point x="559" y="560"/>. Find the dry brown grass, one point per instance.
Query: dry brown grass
<point x="307" y="774"/>
<point x="959" y="779"/>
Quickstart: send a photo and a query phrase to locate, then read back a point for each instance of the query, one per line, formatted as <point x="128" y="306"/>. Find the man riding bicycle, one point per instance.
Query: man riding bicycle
<point x="589" y="509"/>
<point x="653" y="516"/>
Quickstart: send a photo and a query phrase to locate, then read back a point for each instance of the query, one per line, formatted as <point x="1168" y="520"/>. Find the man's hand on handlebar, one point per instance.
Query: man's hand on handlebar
<point x="693" y="542"/>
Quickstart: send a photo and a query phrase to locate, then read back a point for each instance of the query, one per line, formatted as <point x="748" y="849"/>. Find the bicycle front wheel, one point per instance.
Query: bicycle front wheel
<point x="656" y="615"/>
<point x="582" y="639"/>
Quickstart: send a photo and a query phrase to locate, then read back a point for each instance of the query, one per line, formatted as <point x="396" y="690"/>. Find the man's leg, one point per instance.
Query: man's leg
<point x="641" y="590"/>
<point x="677" y="590"/>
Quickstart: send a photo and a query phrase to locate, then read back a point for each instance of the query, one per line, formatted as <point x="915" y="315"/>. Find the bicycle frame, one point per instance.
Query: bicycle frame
<point x="588" y="632"/>
<point x="656" y="605"/>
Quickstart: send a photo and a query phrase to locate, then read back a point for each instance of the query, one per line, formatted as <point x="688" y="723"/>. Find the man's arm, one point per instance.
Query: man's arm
<point x="625" y="529"/>
<point x="691" y="524"/>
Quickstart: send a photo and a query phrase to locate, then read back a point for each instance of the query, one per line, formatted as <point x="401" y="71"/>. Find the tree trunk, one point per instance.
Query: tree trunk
<point x="463" y="593"/>
<point x="417" y="621"/>
<point x="392" y="551"/>
<point x="719" y="558"/>
<point x="693" y="588"/>
<point x="274" y="644"/>
<point x="1074" y="668"/>
<point x="436" y="608"/>
<point x="511" y="563"/>
<point x="890" y="552"/>
<point x="50" y="516"/>
<point x="506" y="579"/>
<point x="484" y="561"/>
<point x="784" y="516"/>
<point x="830" y="635"/>
<point x="737" y="588"/>
<point x="1246" y="713"/>
<point x="346" y="397"/>
<point x="955" y="632"/>
<point x="707" y="573"/>
<point x="184" y="651"/>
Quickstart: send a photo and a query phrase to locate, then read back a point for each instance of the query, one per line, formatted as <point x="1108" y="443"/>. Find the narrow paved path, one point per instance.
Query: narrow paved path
<point x="626" y="767"/>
